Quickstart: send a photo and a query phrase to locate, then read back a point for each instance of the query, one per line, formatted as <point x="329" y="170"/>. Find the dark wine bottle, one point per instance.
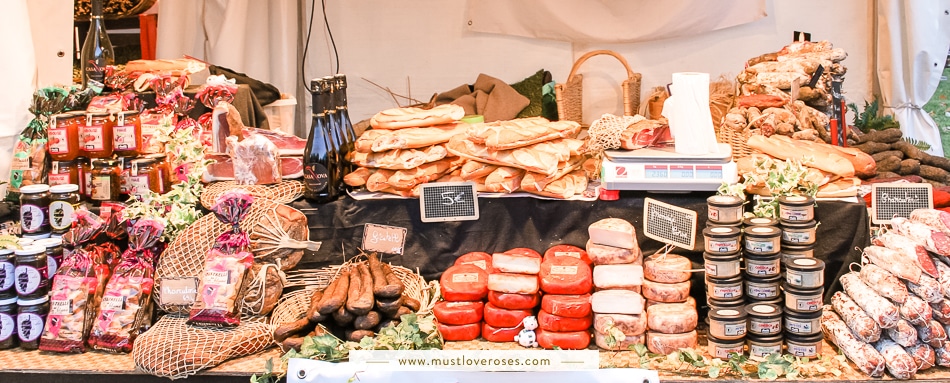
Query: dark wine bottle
<point x="97" y="51"/>
<point x="336" y="129"/>
<point x="321" y="159"/>
<point x="342" y="110"/>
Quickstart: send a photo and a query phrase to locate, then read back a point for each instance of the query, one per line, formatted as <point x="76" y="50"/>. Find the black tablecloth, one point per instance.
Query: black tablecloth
<point x="506" y="223"/>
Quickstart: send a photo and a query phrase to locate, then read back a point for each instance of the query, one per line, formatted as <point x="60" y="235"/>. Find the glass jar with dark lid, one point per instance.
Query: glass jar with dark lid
<point x="7" y="276"/>
<point x="85" y="178"/>
<point x="54" y="254"/>
<point x="30" y="320"/>
<point x="105" y="180"/>
<point x="34" y="208"/>
<point x="8" y="313"/>
<point x="31" y="272"/>
<point x="64" y="199"/>
<point x="125" y="166"/>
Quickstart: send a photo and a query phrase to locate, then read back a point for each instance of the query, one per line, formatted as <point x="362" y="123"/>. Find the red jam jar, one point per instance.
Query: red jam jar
<point x="64" y="136"/>
<point x="127" y="134"/>
<point x="95" y="136"/>
<point x="64" y="172"/>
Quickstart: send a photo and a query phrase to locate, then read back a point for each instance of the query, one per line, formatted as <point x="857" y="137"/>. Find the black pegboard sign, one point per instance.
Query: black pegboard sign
<point x="448" y="201"/>
<point x="669" y="224"/>
<point x="889" y="200"/>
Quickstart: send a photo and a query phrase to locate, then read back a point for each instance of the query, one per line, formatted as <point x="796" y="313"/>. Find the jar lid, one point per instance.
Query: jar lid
<point x="737" y="278"/>
<point x="753" y="337"/>
<point x="49" y="242"/>
<point x="64" y="188"/>
<point x="797" y="248"/>
<point x="32" y="302"/>
<point x="36" y="236"/>
<point x="820" y="290"/>
<point x="805" y="264"/>
<point x="802" y="338"/>
<point x="775" y="302"/>
<point x="65" y="163"/>
<point x="724" y="200"/>
<point x="763" y="231"/>
<point x="760" y="221"/>
<point x="762" y="310"/>
<point x="157" y="156"/>
<point x="721" y="231"/>
<point x="34" y="188"/>
<point x="24" y="241"/>
<point x="61" y="116"/>
<point x="722" y="257"/>
<point x="796" y="200"/>
<point x="761" y="279"/>
<point x="799" y="224"/>
<point x="727" y="313"/>
<point x="8" y="301"/>
<point x="99" y="114"/>
<point x="714" y="303"/>
<point x="104" y="162"/>
<point x="126" y="162"/>
<point x="5" y="251"/>
<point x="768" y="257"/>
<point x="30" y="250"/>
<point x="789" y="313"/>
<point x="128" y="113"/>
<point x="143" y="161"/>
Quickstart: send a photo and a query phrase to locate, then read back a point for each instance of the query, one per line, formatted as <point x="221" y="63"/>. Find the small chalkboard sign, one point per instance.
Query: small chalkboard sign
<point x="448" y="201"/>
<point x="383" y="238"/>
<point x="889" y="200"/>
<point x="669" y="224"/>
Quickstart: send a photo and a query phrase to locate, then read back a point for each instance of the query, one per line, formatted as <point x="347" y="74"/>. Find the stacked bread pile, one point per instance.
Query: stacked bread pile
<point x="405" y="148"/>
<point x="532" y="155"/>
<point x="895" y="312"/>
<point x="671" y="312"/>
<point x="565" y="315"/>
<point x="513" y="281"/>
<point x="464" y="288"/>
<point x="618" y="274"/>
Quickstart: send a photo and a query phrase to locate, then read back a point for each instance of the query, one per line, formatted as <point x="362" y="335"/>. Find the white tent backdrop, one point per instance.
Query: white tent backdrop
<point x="18" y="81"/>
<point x="912" y="40"/>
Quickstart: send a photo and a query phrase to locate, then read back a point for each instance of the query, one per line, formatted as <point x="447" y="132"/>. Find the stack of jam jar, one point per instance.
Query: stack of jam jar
<point x="106" y="155"/>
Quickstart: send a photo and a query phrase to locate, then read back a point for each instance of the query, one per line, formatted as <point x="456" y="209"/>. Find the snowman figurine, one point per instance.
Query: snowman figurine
<point x="526" y="337"/>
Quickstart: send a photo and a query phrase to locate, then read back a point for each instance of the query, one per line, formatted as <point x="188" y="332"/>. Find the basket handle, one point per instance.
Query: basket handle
<point x="580" y="61"/>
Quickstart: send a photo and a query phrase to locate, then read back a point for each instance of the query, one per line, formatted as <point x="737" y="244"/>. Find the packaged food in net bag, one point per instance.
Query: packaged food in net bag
<point x="29" y="163"/>
<point x="125" y="310"/>
<point x="220" y="295"/>
<point x="73" y="299"/>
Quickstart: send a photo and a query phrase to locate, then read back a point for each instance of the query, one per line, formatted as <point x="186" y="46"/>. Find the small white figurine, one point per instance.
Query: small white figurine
<point x="526" y="337"/>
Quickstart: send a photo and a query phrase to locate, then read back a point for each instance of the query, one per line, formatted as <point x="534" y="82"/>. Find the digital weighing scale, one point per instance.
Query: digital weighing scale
<point x="662" y="169"/>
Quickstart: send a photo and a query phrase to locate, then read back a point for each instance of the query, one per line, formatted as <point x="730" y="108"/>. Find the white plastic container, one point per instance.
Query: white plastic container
<point x="282" y="113"/>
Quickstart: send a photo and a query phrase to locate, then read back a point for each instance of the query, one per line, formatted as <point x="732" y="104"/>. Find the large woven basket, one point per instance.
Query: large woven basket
<point x="736" y="140"/>
<point x="570" y="95"/>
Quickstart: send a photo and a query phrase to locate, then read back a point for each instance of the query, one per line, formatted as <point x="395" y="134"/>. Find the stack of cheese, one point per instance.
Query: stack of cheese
<point x="532" y="154"/>
<point x="565" y="315"/>
<point x="671" y="312"/>
<point x="618" y="275"/>
<point x="405" y="148"/>
<point x="513" y="293"/>
<point x="464" y="288"/>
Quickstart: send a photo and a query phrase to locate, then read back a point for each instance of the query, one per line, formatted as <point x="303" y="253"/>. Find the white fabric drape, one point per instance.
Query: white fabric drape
<point x="912" y="40"/>
<point x="609" y="21"/>
<point x="19" y="67"/>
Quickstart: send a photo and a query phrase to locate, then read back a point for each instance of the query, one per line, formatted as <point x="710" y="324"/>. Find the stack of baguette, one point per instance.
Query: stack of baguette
<point x="531" y="154"/>
<point x="405" y="148"/>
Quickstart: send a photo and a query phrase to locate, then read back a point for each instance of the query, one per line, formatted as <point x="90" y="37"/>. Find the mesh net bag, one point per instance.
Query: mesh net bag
<point x="174" y="349"/>
<point x="285" y="192"/>
<point x="605" y="132"/>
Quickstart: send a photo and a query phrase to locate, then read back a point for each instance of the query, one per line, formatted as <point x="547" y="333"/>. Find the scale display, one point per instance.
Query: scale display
<point x="662" y="169"/>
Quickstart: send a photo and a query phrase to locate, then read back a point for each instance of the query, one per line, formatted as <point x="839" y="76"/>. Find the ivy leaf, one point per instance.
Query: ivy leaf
<point x="713" y="372"/>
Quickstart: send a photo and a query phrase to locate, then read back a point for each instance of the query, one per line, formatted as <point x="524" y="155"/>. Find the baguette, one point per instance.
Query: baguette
<point x="416" y="137"/>
<point x="864" y="165"/>
<point x="823" y="158"/>
<point x="399" y="118"/>
<point x="364" y="143"/>
<point x="472" y="170"/>
<point x="398" y="159"/>
<point x="504" y="135"/>
<point x="543" y="157"/>
<point x="504" y="179"/>
<point x="407" y="179"/>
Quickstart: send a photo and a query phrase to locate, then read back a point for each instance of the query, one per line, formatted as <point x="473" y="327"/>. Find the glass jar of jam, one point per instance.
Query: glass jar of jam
<point x="144" y="176"/>
<point x="105" y="180"/>
<point x="54" y="254"/>
<point x="164" y="172"/>
<point x="127" y="134"/>
<point x="63" y="133"/>
<point x="34" y="208"/>
<point x="32" y="280"/>
<point x="64" y="199"/>
<point x="64" y="172"/>
<point x="96" y="135"/>
<point x="125" y="164"/>
<point x="30" y="320"/>
<point x="85" y="178"/>
<point x="8" y="313"/>
<point x="7" y="277"/>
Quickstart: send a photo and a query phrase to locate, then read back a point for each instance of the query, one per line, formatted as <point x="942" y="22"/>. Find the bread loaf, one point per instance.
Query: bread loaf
<point x="822" y="158"/>
<point x="399" y="118"/>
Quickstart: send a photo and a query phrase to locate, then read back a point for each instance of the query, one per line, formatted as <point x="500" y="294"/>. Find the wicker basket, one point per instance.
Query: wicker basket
<point x="736" y="140"/>
<point x="569" y="95"/>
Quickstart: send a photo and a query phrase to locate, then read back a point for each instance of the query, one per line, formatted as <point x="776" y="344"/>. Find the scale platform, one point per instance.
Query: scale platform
<point x="663" y="169"/>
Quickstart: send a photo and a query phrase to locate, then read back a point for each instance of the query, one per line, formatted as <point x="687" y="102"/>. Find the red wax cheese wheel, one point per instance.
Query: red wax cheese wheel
<point x="511" y="283"/>
<point x="672" y="318"/>
<point x="499" y="334"/>
<point x="499" y="317"/>
<point x="571" y="306"/>
<point x="619" y="344"/>
<point x="476" y="258"/>
<point x="464" y="283"/>
<point x="567" y="251"/>
<point x="573" y="340"/>
<point x="565" y="276"/>
<point x="549" y="322"/>
<point x="524" y="251"/>
<point x="666" y="292"/>
<point x="460" y="332"/>
<point x="609" y="255"/>
<point x="668" y="268"/>
<point x="518" y="264"/>
<point x="628" y="324"/>
<point x="514" y="301"/>
<point x="660" y="343"/>
<point x="457" y="313"/>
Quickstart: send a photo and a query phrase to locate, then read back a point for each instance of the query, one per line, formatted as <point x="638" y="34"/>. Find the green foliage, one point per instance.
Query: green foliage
<point x="871" y="118"/>
<point x="780" y="177"/>
<point x="917" y="143"/>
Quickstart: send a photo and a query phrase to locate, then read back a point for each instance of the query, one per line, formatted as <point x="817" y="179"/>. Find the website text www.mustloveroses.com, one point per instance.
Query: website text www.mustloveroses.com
<point x="477" y="360"/>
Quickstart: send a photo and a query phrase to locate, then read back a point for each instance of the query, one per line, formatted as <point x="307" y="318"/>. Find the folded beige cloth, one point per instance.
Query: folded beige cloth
<point x="489" y="97"/>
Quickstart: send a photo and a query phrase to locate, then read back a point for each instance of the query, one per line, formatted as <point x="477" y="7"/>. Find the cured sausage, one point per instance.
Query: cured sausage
<point x="943" y="276"/>
<point x="898" y="362"/>
<point x="865" y="357"/>
<point x="931" y="239"/>
<point x="923" y="354"/>
<point x="904" y="334"/>
<point x="941" y="311"/>
<point x="942" y="356"/>
<point x="937" y="219"/>
<point x="916" y="311"/>
<point x="893" y="262"/>
<point x="881" y="310"/>
<point x="381" y="286"/>
<point x="313" y="313"/>
<point x="368" y="321"/>
<point x="335" y="294"/>
<point x="933" y="334"/>
<point x="883" y="282"/>
<point x="863" y="327"/>
<point x="910" y="251"/>
<point x="359" y="300"/>
<point x="926" y="288"/>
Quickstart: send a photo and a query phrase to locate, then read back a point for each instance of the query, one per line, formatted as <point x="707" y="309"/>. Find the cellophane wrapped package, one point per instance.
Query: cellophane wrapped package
<point x="73" y="299"/>
<point x="126" y="307"/>
<point x="220" y="297"/>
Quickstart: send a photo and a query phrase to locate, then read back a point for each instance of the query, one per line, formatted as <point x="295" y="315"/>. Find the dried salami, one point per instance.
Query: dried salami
<point x="941" y="311"/>
<point x="884" y="283"/>
<point x="926" y="288"/>
<point x="933" y="334"/>
<point x="909" y="251"/>
<point x="931" y="239"/>
<point x="942" y="356"/>
<point x="863" y="327"/>
<point x="923" y="354"/>
<point x="893" y="262"/>
<point x="899" y="364"/>
<point x="879" y="309"/>
<point x="943" y="276"/>
<point x="916" y="311"/>
<point x="904" y="334"/>
<point x="937" y="219"/>
<point x="864" y="356"/>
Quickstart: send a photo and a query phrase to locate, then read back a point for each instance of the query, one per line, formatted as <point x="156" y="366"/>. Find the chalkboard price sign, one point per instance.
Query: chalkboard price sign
<point x="448" y="201"/>
<point x="669" y="224"/>
<point x="889" y="200"/>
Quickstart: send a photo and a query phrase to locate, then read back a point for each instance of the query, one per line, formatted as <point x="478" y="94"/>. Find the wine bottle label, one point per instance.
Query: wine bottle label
<point x="124" y="137"/>
<point x="58" y="141"/>
<point x="316" y="177"/>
